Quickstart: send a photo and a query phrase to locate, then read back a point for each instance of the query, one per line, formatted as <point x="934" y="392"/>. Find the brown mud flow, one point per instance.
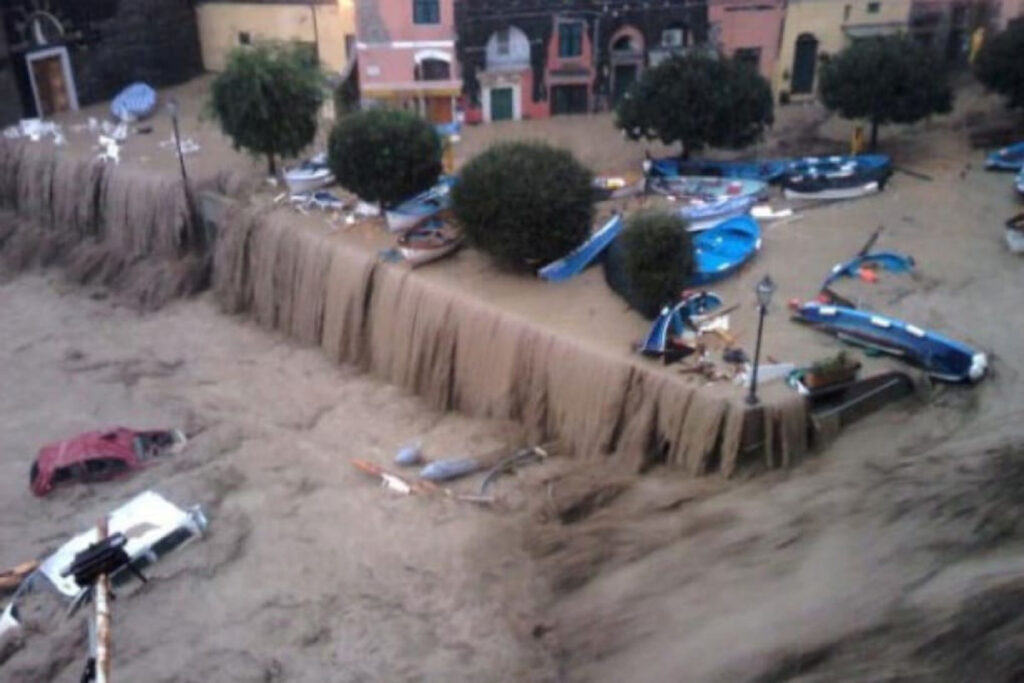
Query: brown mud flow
<point x="104" y="224"/>
<point x="462" y="354"/>
<point x="131" y="230"/>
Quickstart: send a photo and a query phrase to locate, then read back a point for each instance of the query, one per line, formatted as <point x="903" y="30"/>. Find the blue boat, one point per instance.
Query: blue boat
<point x="892" y="261"/>
<point x="1006" y="159"/>
<point x="1018" y="182"/>
<point x="134" y="103"/>
<point x="724" y="249"/>
<point x="582" y="256"/>
<point x="767" y="170"/>
<point x="839" y="163"/>
<point x="703" y="216"/>
<point x="672" y="321"/>
<point x="941" y="357"/>
<point x="412" y="212"/>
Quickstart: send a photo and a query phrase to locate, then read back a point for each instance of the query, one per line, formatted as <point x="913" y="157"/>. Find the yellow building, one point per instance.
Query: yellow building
<point x="816" y="29"/>
<point x="329" y="26"/>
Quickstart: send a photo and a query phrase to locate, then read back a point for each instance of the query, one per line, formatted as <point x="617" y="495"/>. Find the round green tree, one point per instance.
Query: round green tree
<point x="651" y="261"/>
<point x="267" y="99"/>
<point x="1000" y="64"/>
<point x="698" y="101"/>
<point x="384" y="155"/>
<point x="885" y="80"/>
<point x="524" y="203"/>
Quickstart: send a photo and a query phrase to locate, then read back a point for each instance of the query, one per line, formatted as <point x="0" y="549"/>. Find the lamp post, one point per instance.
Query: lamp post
<point x="765" y="288"/>
<point x="197" y="225"/>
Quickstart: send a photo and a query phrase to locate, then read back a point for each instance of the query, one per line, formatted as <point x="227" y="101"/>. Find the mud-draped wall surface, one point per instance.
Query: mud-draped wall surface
<point x="463" y="354"/>
<point x="118" y="226"/>
<point x="131" y="230"/>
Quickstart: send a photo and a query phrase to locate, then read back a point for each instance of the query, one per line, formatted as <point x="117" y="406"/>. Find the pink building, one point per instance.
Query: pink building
<point x="750" y="30"/>
<point x="406" y="53"/>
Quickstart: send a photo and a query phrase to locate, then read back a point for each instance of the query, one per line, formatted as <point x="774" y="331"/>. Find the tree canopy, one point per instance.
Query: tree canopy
<point x="384" y="155"/>
<point x="698" y="100"/>
<point x="524" y="203"/>
<point x="885" y="80"/>
<point x="267" y="99"/>
<point x="1000" y="64"/>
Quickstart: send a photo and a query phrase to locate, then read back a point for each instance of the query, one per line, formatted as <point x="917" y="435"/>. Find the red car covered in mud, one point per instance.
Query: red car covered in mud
<point x="100" y="455"/>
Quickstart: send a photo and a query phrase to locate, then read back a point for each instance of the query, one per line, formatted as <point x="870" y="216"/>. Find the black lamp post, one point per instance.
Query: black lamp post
<point x="197" y="224"/>
<point x="765" y="288"/>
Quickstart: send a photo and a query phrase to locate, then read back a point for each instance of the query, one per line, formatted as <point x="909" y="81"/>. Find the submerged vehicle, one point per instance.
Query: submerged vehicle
<point x="100" y="455"/>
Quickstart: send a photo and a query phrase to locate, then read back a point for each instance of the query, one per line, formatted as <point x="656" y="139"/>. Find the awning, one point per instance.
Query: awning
<point x="856" y="31"/>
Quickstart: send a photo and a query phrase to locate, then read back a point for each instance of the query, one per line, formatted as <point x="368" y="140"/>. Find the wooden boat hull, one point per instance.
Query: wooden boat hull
<point x="428" y="244"/>
<point x="414" y="211"/>
<point x="301" y="181"/>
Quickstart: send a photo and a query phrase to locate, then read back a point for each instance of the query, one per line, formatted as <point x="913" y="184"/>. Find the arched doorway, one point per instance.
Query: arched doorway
<point x="805" y="60"/>
<point x="627" y="50"/>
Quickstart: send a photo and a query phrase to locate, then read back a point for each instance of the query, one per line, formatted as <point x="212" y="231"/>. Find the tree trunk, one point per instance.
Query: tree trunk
<point x="271" y="165"/>
<point x="874" y="134"/>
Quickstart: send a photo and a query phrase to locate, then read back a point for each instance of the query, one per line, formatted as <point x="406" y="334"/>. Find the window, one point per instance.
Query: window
<point x="503" y="42"/>
<point x="623" y="44"/>
<point x="433" y="70"/>
<point x="672" y="37"/>
<point x="749" y="56"/>
<point x="244" y="38"/>
<point x="570" y="40"/>
<point x="874" y="7"/>
<point x="426" y="12"/>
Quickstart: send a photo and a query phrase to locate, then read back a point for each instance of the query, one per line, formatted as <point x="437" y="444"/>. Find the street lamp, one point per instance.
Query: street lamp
<point x="197" y="225"/>
<point x="765" y="288"/>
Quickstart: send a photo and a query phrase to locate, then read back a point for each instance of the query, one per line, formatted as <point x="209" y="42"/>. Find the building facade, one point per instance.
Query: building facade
<point x="66" y="53"/>
<point x="406" y="56"/>
<point x="538" y="58"/>
<point x="749" y="30"/>
<point x="947" y="26"/>
<point x="814" y="30"/>
<point x="10" y="99"/>
<point x="328" y="27"/>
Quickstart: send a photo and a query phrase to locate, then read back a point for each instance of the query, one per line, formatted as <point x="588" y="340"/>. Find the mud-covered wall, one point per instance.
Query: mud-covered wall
<point x="463" y="354"/>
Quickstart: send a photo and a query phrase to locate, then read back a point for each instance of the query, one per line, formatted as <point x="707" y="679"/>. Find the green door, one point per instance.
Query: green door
<point x="501" y="104"/>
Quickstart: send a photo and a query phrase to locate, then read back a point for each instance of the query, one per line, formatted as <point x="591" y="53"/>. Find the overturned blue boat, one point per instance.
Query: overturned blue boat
<point x="412" y="212"/>
<point x="134" y="103"/>
<point x="892" y="261"/>
<point x="673" y="321"/>
<point x="582" y="256"/>
<point x="939" y="356"/>
<point x="722" y="250"/>
<point x="1009" y="158"/>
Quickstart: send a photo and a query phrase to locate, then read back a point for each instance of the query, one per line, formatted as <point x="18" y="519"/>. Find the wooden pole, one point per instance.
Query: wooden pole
<point x="102" y="600"/>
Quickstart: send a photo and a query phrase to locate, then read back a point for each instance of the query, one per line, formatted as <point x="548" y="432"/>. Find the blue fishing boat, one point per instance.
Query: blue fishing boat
<point x="723" y="249"/>
<point x="941" y="357"/>
<point x="412" y="212"/>
<point x="707" y="189"/>
<point x="892" y="261"/>
<point x="1006" y="159"/>
<point x="839" y="163"/>
<point x="850" y="182"/>
<point x="766" y="170"/>
<point x="705" y="215"/>
<point x="672" y="321"/>
<point x="582" y="256"/>
<point x="134" y="103"/>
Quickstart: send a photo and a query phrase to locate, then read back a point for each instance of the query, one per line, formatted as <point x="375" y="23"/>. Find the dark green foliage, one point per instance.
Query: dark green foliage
<point x="651" y="262"/>
<point x="885" y="80"/>
<point x="525" y="204"/>
<point x="699" y="101"/>
<point x="1000" y="64"/>
<point x="384" y="155"/>
<point x="267" y="99"/>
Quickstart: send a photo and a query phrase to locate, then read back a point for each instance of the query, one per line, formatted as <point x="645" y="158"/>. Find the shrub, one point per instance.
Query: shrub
<point x="267" y="99"/>
<point x="1000" y="64"/>
<point x="698" y="101"/>
<point x="651" y="261"/>
<point x="525" y="204"/>
<point x="384" y="155"/>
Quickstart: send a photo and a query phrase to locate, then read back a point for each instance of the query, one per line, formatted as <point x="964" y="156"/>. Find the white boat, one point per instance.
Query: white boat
<point x="853" y="192"/>
<point x="427" y="243"/>
<point x="309" y="176"/>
